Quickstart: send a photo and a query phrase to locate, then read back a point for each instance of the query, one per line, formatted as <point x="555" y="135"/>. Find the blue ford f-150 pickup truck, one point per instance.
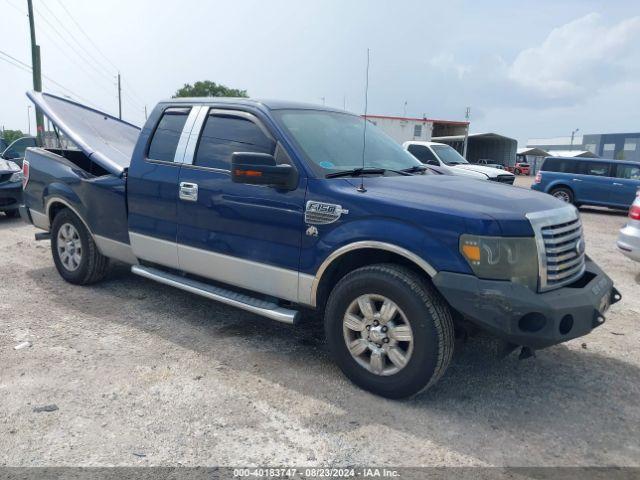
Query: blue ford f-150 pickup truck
<point x="273" y="207"/>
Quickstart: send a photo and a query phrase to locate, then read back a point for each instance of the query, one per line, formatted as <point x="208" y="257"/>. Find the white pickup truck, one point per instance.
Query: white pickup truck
<point x="442" y="155"/>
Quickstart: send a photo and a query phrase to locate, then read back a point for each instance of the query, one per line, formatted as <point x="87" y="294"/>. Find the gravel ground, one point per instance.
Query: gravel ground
<point x="143" y="374"/>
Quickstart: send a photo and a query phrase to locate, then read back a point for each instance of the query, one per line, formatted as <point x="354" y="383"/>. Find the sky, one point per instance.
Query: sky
<point x="527" y="69"/>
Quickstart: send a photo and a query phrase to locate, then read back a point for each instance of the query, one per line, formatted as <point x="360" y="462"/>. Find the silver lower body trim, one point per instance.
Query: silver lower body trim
<point x="154" y="250"/>
<point x="238" y="300"/>
<point x="254" y="276"/>
<point x="40" y="220"/>
<point x="116" y="250"/>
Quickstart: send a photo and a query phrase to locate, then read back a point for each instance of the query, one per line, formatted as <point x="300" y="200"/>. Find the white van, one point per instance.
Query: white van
<point x="442" y="155"/>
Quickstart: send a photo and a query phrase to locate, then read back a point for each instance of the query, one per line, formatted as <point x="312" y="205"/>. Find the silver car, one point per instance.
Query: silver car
<point x="629" y="238"/>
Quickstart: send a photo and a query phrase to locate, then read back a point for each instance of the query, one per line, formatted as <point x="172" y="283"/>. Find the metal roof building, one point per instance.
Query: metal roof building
<point x="404" y="129"/>
<point x="493" y="147"/>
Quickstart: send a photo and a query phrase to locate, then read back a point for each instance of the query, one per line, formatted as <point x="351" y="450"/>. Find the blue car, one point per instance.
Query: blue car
<point x="589" y="181"/>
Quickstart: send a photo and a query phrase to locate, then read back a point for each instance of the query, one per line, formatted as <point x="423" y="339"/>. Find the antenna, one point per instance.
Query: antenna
<point x="364" y="130"/>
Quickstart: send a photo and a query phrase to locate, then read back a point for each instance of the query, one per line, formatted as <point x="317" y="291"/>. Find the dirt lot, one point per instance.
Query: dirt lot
<point x="146" y="375"/>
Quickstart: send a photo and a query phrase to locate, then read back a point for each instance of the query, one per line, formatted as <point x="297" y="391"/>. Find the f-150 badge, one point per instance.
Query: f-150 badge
<point x="319" y="213"/>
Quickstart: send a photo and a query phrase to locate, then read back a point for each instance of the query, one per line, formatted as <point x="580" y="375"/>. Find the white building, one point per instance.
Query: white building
<point x="403" y="129"/>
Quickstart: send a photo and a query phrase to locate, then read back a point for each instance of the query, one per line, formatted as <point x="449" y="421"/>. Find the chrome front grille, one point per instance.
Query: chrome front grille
<point x="560" y="241"/>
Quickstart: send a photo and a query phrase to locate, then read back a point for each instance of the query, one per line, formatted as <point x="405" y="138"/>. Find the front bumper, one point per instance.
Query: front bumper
<point x="523" y="317"/>
<point x="10" y="196"/>
<point x="629" y="240"/>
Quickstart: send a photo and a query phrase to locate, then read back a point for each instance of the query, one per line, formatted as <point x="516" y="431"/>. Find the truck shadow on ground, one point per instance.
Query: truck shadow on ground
<point x="564" y="393"/>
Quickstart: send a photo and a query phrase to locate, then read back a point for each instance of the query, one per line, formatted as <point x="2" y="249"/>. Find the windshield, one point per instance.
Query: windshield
<point x="332" y="142"/>
<point x="448" y="155"/>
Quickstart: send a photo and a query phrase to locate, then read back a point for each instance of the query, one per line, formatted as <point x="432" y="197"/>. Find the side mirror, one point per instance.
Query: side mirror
<point x="262" y="169"/>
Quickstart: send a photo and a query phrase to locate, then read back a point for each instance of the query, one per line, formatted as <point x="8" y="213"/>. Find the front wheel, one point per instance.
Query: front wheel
<point x="74" y="252"/>
<point x="389" y="330"/>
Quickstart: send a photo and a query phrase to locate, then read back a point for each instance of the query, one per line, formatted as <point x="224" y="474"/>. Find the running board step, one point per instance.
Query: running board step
<point x="245" y="302"/>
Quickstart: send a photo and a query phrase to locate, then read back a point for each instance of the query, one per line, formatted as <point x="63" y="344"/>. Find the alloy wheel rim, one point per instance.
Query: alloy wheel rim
<point x="564" y="196"/>
<point x="378" y="334"/>
<point x="69" y="247"/>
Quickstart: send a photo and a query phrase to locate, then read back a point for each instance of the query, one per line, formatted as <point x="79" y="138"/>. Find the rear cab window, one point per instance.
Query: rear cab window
<point x="164" y="142"/>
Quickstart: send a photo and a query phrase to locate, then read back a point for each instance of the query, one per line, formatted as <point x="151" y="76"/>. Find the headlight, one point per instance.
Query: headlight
<point x="16" y="177"/>
<point x="502" y="258"/>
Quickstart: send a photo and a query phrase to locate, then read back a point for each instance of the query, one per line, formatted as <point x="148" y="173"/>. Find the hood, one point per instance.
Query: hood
<point x="463" y="172"/>
<point x="7" y="166"/>
<point x="489" y="171"/>
<point x="462" y="197"/>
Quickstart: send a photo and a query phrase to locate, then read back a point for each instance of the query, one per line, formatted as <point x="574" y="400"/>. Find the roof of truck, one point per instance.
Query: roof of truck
<point x="270" y="104"/>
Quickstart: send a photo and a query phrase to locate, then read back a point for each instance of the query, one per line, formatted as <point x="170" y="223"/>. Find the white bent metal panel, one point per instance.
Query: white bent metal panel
<point x="105" y="139"/>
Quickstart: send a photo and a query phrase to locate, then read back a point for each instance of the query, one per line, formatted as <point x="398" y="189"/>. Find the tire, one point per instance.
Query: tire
<point x="83" y="264"/>
<point x="12" y="213"/>
<point x="563" y="194"/>
<point x="517" y="171"/>
<point x="418" y="304"/>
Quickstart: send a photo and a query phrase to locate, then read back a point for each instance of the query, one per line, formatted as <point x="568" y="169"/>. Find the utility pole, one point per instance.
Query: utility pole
<point x="37" y="72"/>
<point x="119" y="98"/>
<point x="573" y="133"/>
<point x="466" y="133"/>
<point x="29" y="119"/>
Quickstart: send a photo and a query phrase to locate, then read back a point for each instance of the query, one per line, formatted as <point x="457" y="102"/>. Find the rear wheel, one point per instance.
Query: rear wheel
<point x="389" y="330"/>
<point x="75" y="254"/>
<point x="563" y="194"/>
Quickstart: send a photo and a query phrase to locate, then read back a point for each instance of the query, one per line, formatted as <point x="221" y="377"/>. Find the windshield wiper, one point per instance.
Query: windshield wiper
<point x="414" y="169"/>
<point x="356" y="172"/>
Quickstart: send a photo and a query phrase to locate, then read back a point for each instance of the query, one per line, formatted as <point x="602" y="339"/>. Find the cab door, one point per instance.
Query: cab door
<point x="245" y="235"/>
<point x="593" y="185"/>
<point x="152" y="188"/>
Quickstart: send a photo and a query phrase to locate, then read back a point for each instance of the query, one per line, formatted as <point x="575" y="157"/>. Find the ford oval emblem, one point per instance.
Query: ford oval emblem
<point x="580" y="247"/>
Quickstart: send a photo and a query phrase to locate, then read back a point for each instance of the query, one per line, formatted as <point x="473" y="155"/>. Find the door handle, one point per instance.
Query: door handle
<point x="576" y="180"/>
<point x="188" y="191"/>
<point x="617" y="184"/>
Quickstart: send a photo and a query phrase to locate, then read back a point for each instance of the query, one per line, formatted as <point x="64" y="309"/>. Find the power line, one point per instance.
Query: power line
<point x="73" y="59"/>
<point x="100" y="74"/>
<point x="73" y="37"/>
<point x="11" y="60"/>
<point x="87" y="36"/>
<point x="102" y="54"/>
<point x="26" y="69"/>
<point x="13" y="5"/>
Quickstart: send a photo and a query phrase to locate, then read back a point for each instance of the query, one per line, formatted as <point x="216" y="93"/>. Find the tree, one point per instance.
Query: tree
<point x="208" y="89"/>
<point x="11" y="135"/>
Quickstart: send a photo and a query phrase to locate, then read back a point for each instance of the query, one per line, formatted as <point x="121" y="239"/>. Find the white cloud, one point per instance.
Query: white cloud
<point x="446" y="61"/>
<point x="579" y="58"/>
